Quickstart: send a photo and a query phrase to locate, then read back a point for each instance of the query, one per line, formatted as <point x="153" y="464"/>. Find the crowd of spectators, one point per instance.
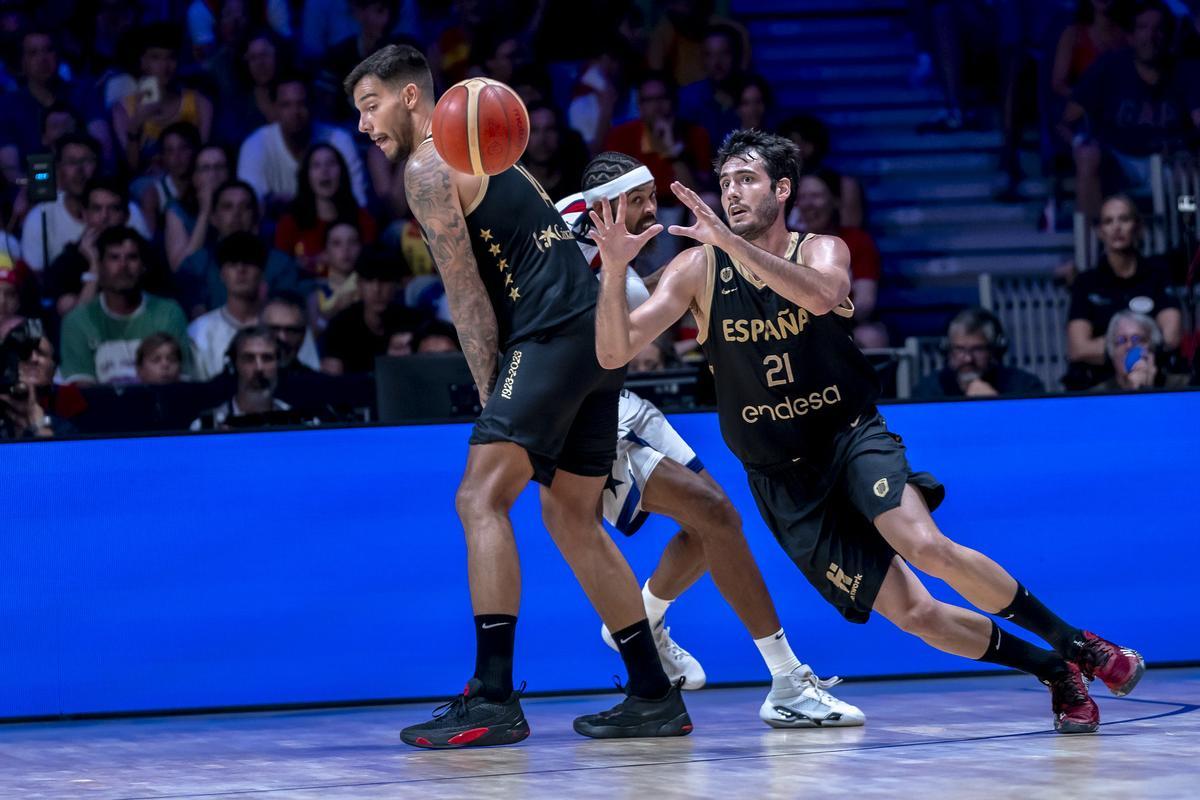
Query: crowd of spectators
<point x="216" y="218"/>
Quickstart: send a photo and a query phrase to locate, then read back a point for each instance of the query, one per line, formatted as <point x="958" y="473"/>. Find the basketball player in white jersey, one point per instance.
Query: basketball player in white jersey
<point x="657" y="472"/>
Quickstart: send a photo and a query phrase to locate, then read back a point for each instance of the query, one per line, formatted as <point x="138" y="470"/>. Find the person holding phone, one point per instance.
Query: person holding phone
<point x="1133" y="343"/>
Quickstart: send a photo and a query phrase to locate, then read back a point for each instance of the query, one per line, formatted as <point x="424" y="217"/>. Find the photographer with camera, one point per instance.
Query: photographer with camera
<point x="30" y="405"/>
<point x="975" y="345"/>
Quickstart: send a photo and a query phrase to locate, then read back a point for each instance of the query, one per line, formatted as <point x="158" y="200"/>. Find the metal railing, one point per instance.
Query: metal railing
<point x="1033" y="309"/>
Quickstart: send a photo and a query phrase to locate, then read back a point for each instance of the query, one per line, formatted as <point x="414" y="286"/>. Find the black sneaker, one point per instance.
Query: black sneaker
<point x="471" y="720"/>
<point x="637" y="717"/>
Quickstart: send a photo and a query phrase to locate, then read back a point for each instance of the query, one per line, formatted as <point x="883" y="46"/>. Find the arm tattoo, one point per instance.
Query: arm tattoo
<point x="433" y="200"/>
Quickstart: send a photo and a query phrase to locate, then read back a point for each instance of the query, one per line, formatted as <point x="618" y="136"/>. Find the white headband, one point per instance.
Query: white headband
<point x="617" y="186"/>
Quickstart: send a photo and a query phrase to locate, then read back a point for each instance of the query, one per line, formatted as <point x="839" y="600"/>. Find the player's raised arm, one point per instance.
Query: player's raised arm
<point x="819" y="283"/>
<point x="435" y="203"/>
<point x="619" y="334"/>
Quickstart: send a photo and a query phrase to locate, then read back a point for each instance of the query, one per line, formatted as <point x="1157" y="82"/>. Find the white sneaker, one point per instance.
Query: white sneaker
<point x="677" y="662"/>
<point x="799" y="700"/>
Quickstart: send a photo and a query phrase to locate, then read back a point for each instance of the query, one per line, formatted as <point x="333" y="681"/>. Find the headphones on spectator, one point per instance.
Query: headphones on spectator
<point x="985" y="322"/>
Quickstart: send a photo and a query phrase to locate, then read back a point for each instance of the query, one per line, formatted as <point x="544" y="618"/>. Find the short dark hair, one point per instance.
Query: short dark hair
<point x="237" y="183"/>
<point x="780" y="157"/>
<point x="764" y="86"/>
<point x="184" y="130"/>
<point x="979" y="321"/>
<point x="731" y="35"/>
<point x="242" y="247"/>
<point x="246" y="334"/>
<point x="377" y="263"/>
<point x="74" y="138"/>
<point x="1135" y="10"/>
<point x="155" y="341"/>
<point x="655" y="76"/>
<point x="284" y="76"/>
<point x="290" y="299"/>
<point x="812" y="130"/>
<point x="58" y="107"/>
<point x="106" y="183"/>
<point x="164" y="35"/>
<point x="337" y="223"/>
<point x="118" y="234"/>
<point x="397" y="64"/>
<point x="606" y="166"/>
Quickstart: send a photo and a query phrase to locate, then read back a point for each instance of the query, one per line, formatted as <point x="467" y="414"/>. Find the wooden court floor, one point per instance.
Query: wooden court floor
<point x="988" y="737"/>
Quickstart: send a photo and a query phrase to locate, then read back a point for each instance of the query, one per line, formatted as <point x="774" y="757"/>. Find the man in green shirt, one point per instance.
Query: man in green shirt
<point x="100" y="338"/>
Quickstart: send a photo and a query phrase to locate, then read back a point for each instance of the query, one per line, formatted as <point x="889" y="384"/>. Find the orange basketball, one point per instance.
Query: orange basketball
<point x="480" y="126"/>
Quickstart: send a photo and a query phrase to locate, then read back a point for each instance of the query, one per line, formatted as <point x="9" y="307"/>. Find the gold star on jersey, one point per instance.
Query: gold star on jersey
<point x="494" y="249"/>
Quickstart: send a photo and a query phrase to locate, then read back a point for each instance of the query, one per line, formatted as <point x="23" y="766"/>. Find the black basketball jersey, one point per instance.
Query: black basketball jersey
<point x="535" y="275"/>
<point x="787" y="380"/>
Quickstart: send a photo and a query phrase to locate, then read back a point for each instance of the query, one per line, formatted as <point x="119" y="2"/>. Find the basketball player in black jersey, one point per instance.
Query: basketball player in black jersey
<point x="523" y="300"/>
<point x="796" y="402"/>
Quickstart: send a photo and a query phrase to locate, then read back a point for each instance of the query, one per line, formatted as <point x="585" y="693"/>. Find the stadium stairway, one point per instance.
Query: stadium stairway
<point x="930" y="197"/>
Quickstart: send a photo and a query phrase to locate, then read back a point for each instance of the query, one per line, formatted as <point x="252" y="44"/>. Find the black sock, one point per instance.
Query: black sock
<point x="494" y="638"/>
<point x="1028" y="612"/>
<point x="1009" y="651"/>
<point x="646" y="676"/>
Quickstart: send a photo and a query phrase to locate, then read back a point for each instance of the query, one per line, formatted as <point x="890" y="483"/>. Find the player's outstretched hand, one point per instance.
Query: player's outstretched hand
<point x="708" y="227"/>
<point x="618" y="247"/>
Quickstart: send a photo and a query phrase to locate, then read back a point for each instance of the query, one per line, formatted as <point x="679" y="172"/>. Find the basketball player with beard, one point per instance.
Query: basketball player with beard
<point x="657" y="472"/>
<point x="796" y="403"/>
<point x="523" y="300"/>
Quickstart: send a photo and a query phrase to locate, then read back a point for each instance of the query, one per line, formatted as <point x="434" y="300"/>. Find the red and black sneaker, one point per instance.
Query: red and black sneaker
<point x="1119" y="667"/>
<point x="1074" y="709"/>
<point x="471" y="720"/>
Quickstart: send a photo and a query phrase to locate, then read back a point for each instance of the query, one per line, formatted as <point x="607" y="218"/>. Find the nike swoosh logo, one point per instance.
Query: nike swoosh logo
<point x="630" y="639"/>
<point x="728" y="291"/>
<point x="780" y="636"/>
<point x="488" y="627"/>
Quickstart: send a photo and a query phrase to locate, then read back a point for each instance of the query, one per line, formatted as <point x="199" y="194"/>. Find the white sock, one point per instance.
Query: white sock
<point x="656" y="607"/>
<point x="778" y="654"/>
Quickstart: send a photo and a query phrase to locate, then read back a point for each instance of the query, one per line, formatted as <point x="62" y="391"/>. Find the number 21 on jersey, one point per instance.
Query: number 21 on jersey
<point x="779" y="369"/>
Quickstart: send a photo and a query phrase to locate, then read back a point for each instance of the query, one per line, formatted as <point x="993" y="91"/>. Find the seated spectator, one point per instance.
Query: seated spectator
<point x="159" y="359"/>
<point x="654" y="357"/>
<point x="1133" y="345"/>
<point x="975" y="343"/>
<point x="242" y="259"/>
<point x="253" y="355"/>
<point x="202" y="22"/>
<point x="1123" y="279"/>
<point x="1130" y="105"/>
<point x="36" y="408"/>
<point x="76" y="157"/>
<point x="819" y="212"/>
<point x="40" y="89"/>
<point x="100" y="338"/>
<point x="270" y="157"/>
<point x="235" y="208"/>
<point x="10" y="298"/>
<point x="284" y="315"/>
<point x="1095" y="32"/>
<point x="71" y="278"/>
<point x="375" y="19"/>
<point x="364" y="330"/>
<point x="338" y="289"/>
<point x="187" y="215"/>
<point x="175" y="158"/>
<point x="434" y="336"/>
<point x="713" y="101"/>
<point x="755" y="102"/>
<point x="671" y="149"/>
<point x="676" y="44"/>
<point x="140" y="118"/>
<point x="324" y="198"/>
<point x="245" y="103"/>
<point x="555" y="155"/>
<point x="596" y="98"/>
<point x="496" y="54"/>
<point x="812" y="137"/>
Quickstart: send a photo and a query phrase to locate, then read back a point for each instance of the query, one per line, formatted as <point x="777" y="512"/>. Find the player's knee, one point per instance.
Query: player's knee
<point x="933" y="554"/>
<point x="475" y="500"/>
<point x="718" y="508"/>
<point x="922" y="618"/>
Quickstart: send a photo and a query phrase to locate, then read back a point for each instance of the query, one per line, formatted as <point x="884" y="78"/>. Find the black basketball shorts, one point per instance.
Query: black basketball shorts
<point x="553" y="398"/>
<point x="823" y="518"/>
